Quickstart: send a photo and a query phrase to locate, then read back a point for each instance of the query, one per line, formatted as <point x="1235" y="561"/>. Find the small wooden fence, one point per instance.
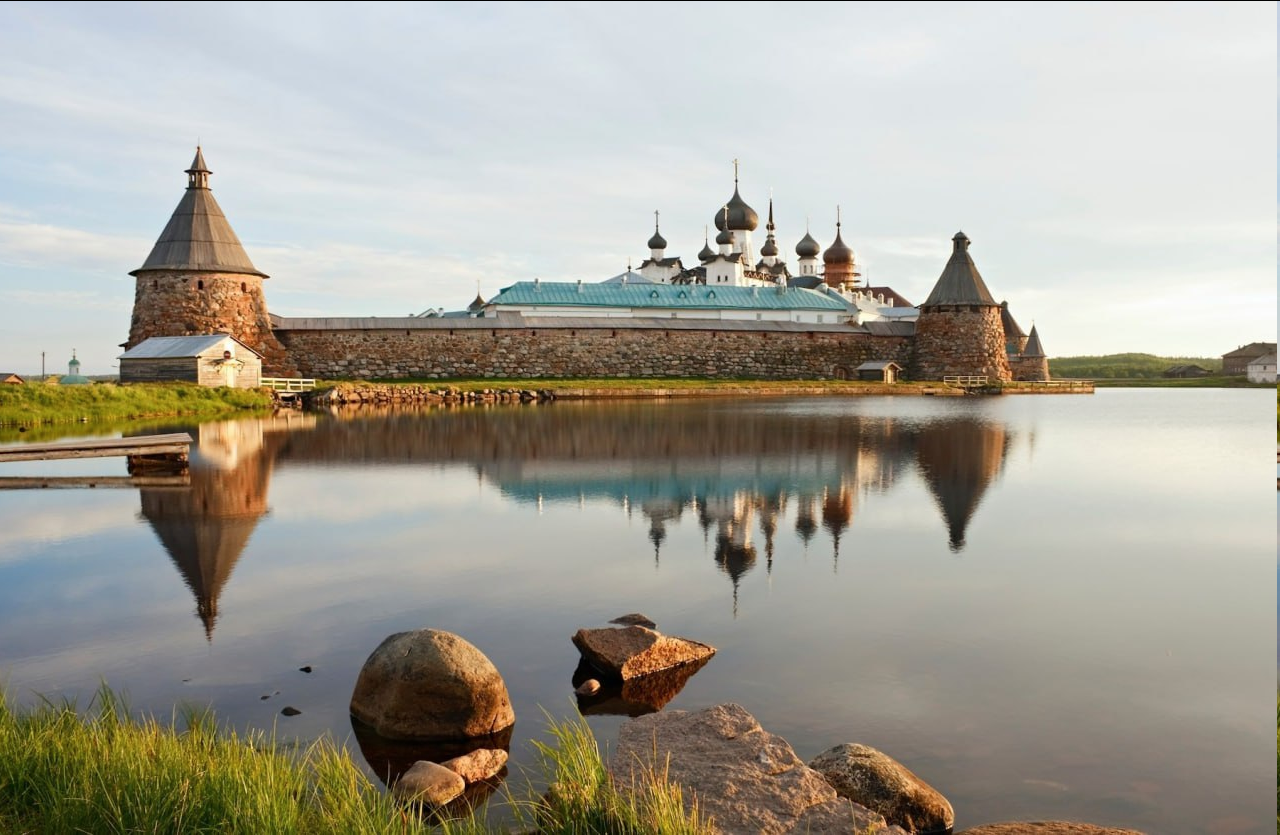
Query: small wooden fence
<point x="288" y="383"/>
<point x="968" y="382"/>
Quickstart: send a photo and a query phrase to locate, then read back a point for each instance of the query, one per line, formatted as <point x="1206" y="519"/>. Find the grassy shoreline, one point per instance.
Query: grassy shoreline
<point x="66" y="771"/>
<point x="33" y="404"/>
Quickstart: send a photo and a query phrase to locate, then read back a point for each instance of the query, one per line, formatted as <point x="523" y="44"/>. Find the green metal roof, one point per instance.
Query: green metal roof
<point x="664" y="296"/>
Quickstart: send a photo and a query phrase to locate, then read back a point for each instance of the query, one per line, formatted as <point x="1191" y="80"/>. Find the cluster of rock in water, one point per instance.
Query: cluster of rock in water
<point x="383" y="394"/>
<point x="432" y="687"/>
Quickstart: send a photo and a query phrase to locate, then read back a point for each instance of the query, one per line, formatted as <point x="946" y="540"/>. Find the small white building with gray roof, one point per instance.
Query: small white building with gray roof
<point x="212" y="360"/>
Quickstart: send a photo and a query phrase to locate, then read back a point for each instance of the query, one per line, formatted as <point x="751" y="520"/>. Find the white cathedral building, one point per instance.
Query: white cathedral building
<point x="826" y="287"/>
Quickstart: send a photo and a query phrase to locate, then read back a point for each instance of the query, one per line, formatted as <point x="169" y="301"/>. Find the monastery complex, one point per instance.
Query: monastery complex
<point x="737" y="313"/>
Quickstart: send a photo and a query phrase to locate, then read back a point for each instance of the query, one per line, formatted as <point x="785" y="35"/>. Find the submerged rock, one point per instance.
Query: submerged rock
<point x="430" y="684"/>
<point x="590" y="687"/>
<point x="743" y="777"/>
<point x="635" y="619"/>
<point x="882" y="784"/>
<point x="633" y="651"/>
<point x="429" y="783"/>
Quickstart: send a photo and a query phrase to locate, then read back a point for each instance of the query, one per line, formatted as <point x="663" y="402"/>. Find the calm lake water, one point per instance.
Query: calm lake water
<point x="1047" y="607"/>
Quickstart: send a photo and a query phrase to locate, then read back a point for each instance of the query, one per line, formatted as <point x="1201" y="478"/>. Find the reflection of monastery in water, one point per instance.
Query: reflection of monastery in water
<point x="206" y="526"/>
<point x="746" y="477"/>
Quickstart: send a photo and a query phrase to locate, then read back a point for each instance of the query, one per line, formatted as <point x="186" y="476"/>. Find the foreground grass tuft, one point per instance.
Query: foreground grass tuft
<point x="584" y="800"/>
<point x="68" y="771"/>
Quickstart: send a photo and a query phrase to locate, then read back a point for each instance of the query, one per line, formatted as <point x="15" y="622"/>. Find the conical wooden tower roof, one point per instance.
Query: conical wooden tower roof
<point x="960" y="282"/>
<point x="198" y="236"/>
<point x="1033" y="348"/>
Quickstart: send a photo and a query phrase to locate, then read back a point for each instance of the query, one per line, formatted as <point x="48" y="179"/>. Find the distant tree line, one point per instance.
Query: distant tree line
<point x="1125" y="366"/>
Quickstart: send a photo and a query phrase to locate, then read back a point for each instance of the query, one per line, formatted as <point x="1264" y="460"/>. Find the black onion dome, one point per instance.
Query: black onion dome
<point x="808" y="247"/>
<point x="740" y="215"/>
<point x="725" y="237"/>
<point x="657" y="241"/>
<point x="838" y="252"/>
<point x="707" y="253"/>
<point x="769" y="248"/>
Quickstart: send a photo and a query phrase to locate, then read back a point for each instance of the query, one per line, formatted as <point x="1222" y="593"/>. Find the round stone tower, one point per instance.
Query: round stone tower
<point x="959" y="330"/>
<point x="199" y="280"/>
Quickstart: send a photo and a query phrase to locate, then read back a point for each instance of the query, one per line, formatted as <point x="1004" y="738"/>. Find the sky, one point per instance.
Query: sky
<point x="1113" y="164"/>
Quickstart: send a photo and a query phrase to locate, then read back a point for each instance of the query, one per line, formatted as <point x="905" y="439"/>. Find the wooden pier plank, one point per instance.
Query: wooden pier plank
<point x="176" y="443"/>
<point x="67" y="482"/>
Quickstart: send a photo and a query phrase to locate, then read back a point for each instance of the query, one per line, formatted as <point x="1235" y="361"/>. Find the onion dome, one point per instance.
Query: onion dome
<point x="657" y="241"/>
<point x="839" y="252"/>
<point x="740" y="215"/>
<point x="725" y="237"/>
<point x="736" y="214"/>
<point x="808" y="247"/>
<point x="707" y="253"/>
<point x="769" y="248"/>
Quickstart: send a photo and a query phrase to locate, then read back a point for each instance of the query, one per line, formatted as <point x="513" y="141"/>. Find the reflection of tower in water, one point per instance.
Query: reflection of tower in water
<point x="806" y="525"/>
<point x="735" y="555"/>
<point x="206" y="526"/>
<point x="837" y="511"/>
<point x="959" y="460"/>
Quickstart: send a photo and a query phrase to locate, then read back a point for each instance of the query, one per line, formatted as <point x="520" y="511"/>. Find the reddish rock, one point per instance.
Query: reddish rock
<point x="428" y="783"/>
<point x="478" y="765"/>
<point x="882" y="784"/>
<point x="740" y="775"/>
<point x="635" y="651"/>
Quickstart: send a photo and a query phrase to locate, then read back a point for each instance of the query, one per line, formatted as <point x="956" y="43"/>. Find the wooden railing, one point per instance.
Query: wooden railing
<point x="965" y="381"/>
<point x="288" y="383"/>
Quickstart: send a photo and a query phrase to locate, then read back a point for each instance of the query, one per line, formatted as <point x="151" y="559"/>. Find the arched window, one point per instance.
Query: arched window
<point x="200" y="284"/>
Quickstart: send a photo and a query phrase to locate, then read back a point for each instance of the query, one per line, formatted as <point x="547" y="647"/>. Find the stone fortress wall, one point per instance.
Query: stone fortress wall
<point x="622" y="348"/>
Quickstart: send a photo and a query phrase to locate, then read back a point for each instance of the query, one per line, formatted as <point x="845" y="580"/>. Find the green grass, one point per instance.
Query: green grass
<point x="100" y="771"/>
<point x="1233" y="382"/>
<point x="583" y="799"/>
<point x="33" y="404"/>
<point x="1124" y="366"/>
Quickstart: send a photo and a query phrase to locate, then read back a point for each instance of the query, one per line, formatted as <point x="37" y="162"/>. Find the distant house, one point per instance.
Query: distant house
<point x="7" y="377"/>
<point x="1237" y="362"/>
<point x="1263" y="369"/>
<point x="210" y="360"/>
<point x="881" y="371"/>
<point x="1185" y="371"/>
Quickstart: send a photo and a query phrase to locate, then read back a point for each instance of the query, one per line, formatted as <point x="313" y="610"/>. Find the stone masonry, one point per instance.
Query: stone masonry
<point x="186" y="303"/>
<point x="966" y="340"/>
<point x="472" y="350"/>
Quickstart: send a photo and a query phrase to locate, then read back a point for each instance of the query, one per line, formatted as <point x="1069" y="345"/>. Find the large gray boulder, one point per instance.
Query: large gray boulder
<point x="1046" y="828"/>
<point x="882" y="784"/>
<point x="632" y="651"/>
<point x="744" y="778"/>
<point x="429" y="684"/>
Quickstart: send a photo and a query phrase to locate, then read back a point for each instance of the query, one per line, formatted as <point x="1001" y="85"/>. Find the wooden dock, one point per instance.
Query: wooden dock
<point x="152" y="482"/>
<point x="143" y="451"/>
